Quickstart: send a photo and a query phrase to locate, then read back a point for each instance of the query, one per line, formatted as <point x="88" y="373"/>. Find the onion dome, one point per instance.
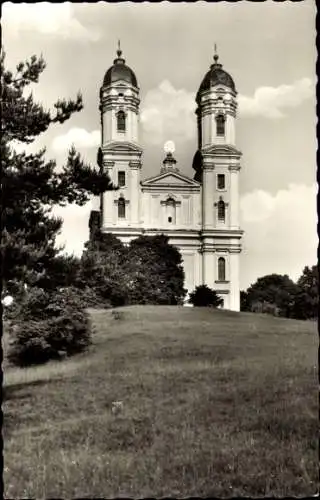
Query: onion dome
<point x="119" y="71"/>
<point x="215" y="76"/>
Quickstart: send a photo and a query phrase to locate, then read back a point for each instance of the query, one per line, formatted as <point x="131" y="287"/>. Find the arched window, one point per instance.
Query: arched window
<point x="171" y="210"/>
<point x="221" y="211"/>
<point x="220" y="120"/>
<point x="121" y="121"/>
<point x="221" y="184"/>
<point x="221" y="269"/>
<point x="121" y="208"/>
<point x="121" y="178"/>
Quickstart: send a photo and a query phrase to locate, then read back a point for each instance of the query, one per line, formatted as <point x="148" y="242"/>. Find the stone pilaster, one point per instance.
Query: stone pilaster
<point x="234" y="196"/>
<point x="234" y="280"/>
<point x="208" y="182"/>
<point x="107" y="198"/>
<point x="208" y="267"/>
<point x="135" y="168"/>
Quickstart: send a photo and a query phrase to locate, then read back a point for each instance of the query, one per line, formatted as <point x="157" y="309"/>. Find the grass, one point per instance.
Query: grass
<point x="214" y="403"/>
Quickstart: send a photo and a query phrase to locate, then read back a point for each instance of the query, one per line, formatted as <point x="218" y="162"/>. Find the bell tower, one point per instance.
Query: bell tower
<point x="217" y="106"/>
<point x="218" y="167"/>
<point x="120" y="149"/>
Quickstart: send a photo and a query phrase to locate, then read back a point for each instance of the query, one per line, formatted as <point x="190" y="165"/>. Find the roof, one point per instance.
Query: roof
<point x="215" y="76"/>
<point x="119" y="71"/>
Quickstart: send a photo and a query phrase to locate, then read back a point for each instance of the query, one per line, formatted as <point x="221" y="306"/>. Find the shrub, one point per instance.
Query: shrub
<point x="265" y="308"/>
<point x="88" y="297"/>
<point x="203" y="296"/>
<point x="49" y="326"/>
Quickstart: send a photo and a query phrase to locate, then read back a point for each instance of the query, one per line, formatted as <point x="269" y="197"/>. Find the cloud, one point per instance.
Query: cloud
<point x="21" y="147"/>
<point x="298" y="200"/>
<point x="75" y="229"/>
<point x="79" y="137"/>
<point x="168" y="114"/>
<point x="271" y="102"/>
<point x="280" y="231"/>
<point x="257" y="206"/>
<point x="45" y="18"/>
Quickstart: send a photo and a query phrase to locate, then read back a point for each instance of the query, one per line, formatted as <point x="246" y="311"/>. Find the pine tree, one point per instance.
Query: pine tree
<point x="31" y="184"/>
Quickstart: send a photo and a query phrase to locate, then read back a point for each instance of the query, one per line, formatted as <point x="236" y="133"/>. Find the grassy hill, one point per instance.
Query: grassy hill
<point x="214" y="403"/>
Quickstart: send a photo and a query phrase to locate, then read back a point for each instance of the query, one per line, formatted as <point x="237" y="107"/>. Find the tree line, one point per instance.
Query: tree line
<point x="279" y="295"/>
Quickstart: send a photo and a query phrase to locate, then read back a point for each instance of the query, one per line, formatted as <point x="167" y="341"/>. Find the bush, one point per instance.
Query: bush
<point x="265" y="308"/>
<point x="87" y="297"/>
<point x="48" y="326"/>
<point x="203" y="296"/>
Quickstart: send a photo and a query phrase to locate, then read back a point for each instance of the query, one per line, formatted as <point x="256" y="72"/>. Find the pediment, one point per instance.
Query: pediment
<point x="121" y="146"/>
<point x="221" y="150"/>
<point x="174" y="179"/>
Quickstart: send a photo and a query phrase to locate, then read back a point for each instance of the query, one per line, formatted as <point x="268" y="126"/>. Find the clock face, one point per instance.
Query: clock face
<point x="169" y="147"/>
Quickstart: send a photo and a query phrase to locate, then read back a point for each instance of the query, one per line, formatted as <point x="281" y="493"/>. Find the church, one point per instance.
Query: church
<point x="199" y="215"/>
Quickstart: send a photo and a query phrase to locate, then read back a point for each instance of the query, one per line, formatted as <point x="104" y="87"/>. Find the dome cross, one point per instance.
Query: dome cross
<point x="215" y="57"/>
<point x="119" y="51"/>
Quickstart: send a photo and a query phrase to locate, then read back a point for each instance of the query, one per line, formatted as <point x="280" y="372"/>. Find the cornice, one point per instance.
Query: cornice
<point x="160" y="188"/>
<point x="218" y="112"/>
<point x="165" y="202"/>
<point x="221" y="233"/>
<point x="220" y="150"/>
<point x="207" y="165"/>
<point x="108" y="163"/>
<point x="135" y="165"/>
<point x="117" y="200"/>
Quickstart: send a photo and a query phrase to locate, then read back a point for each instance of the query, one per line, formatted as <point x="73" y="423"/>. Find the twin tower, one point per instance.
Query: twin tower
<point x="200" y="215"/>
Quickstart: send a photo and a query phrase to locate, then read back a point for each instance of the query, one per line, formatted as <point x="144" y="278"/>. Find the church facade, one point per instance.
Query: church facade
<point x="199" y="215"/>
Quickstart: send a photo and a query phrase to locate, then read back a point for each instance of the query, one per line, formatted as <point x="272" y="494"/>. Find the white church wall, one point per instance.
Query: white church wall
<point x="226" y="300"/>
<point x="155" y="210"/>
<point x="134" y="176"/>
<point x="107" y="127"/>
<point x="186" y="212"/>
<point x="230" y="132"/>
<point x="235" y="282"/>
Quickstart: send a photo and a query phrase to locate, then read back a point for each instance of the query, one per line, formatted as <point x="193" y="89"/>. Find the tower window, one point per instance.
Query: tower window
<point x="171" y="210"/>
<point x="221" y="269"/>
<point x="121" y="178"/>
<point x="221" y="183"/>
<point x="220" y="120"/>
<point x="121" y="208"/>
<point x="221" y="211"/>
<point x="121" y="121"/>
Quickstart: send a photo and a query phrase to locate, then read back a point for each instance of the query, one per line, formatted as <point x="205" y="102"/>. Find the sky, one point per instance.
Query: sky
<point x="268" y="48"/>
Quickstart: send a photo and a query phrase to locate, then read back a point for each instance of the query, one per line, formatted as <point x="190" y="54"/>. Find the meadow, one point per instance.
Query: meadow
<point x="212" y="403"/>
